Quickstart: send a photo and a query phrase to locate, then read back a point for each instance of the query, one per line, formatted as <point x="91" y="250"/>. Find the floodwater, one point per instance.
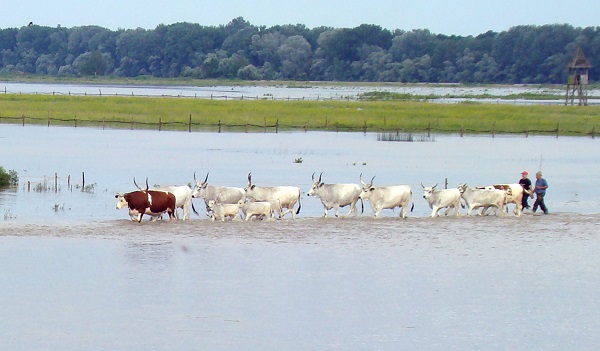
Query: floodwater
<point x="77" y="274"/>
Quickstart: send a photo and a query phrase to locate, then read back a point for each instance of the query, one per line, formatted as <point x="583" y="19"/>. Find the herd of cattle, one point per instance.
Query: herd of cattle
<point x="261" y="202"/>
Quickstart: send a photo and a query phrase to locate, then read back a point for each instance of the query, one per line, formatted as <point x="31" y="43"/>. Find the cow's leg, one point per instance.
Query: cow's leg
<point x="435" y="210"/>
<point x="403" y="211"/>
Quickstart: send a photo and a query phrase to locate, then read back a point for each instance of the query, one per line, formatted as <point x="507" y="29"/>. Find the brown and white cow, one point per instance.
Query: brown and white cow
<point x="144" y="201"/>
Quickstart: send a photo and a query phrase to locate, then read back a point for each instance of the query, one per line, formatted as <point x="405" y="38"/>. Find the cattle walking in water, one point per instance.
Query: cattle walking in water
<point x="259" y="209"/>
<point x="388" y="197"/>
<point x="483" y="198"/>
<point x="223" y="211"/>
<point x="438" y="199"/>
<point x="287" y="196"/>
<point x="183" y="199"/>
<point x="219" y="194"/>
<point x="145" y="201"/>
<point x="335" y="195"/>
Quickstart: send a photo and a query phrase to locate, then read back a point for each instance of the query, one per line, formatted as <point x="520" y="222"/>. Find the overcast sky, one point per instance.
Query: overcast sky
<point x="460" y="17"/>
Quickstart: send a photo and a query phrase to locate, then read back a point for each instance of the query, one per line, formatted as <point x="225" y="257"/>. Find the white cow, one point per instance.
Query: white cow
<point x="287" y="196"/>
<point x="486" y="198"/>
<point x="438" y="199"/>
<point x="220" y="194"/>
<point x="223" y="211"/>
<point x="183" y="199"/>
<point x="258" y="209"/>
<point x="335" y="195"/>
<point x="388" y="197"/>
<point x="515" y="196"/>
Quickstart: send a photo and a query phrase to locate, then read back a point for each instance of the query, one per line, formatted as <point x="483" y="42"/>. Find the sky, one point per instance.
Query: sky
<point x="450" y="17"/>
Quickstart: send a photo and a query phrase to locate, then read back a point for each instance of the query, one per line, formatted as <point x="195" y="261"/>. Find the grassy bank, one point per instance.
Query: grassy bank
<point x="177" y="113"/>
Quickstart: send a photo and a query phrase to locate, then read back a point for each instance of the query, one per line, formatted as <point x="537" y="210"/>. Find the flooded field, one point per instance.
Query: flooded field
<point x="77" y="274"/>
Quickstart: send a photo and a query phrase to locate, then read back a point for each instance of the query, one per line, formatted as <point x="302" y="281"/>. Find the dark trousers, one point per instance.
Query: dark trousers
<point x="524" y="201"/>
<point x="539" y="201"/>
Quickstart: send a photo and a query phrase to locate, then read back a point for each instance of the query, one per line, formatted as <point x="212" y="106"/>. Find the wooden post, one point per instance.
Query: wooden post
<point x="365" y="127"/>
<point x="277" y="126"/>
<point x="48" y="121"/>
<point x="69" y="181"/>
<point x="593" y="132"/>
<point x="55" y="182"/>
<point x="82" y="180"/>
<point x="494" y="129"/>
<point x="75" y="121"/>
<point x="190" y="124"/>
<point x="557" y="129"/>
<point x="429" y="130"/>
<point x="326" y="122"/>
<point x="131" y="123"/>
<point x="159" y="124"/>
<point x="305" y="127"/>
<point x="23" y="116"/>
<point x="446" y="185"/>
<point x="265" y="125"/>
<point x="219" y="126"/>
<point x="28" y="186"/>
<point x="462" y="130"/>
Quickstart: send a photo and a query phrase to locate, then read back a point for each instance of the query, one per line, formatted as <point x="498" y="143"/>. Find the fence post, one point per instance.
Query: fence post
<point x="82" y="180"/>
<point x="131" y="123"/>
<point x="462" y="130"/>
<point x="277" y="126"/>
<point x="159" y="124"/>
<point x="593" y="132"/>
<point x="305" y="127"/>
<point x="190" y="124"/>
<point x="75" y="121"/>
<point x="365" y="128"/>
<point x="69" y="181"/>
<point x="557" y="129"/>
<point x="48" y="121"/>
<point x="494" y="129"/>
<point x="55" y="182"/>
<point x="446" y="185"/>
<point x="326" y="122"/>
<point x="265" y="125"/>
<point x="429" y="130"/>
<point x="23" y="116"/>
<point x="219" y="126"/>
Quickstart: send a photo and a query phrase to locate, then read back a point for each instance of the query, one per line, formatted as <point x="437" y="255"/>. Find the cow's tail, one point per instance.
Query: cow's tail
<point x="194" y="209"/>
<point x="362" y="206"/>
<point x="299" y="204"/>
<point x="412" y="207"/>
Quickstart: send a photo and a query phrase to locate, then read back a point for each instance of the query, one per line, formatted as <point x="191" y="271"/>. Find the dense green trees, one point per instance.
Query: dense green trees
<point x="522" y="54"/>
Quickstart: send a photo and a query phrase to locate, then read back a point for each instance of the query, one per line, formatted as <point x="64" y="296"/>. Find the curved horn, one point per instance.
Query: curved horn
<point x="372" y="180"/>
<point x="205" y="179"/>
<point x="195" y="178"/>
<point x="313" y="177"/>
<point x="433" y="187"/>
<point x="249" y="178"/>
<point x="422" y="186"/>
<point x="134" y="182"/>
<point x="147" y="187"/>
<point x="320" y="177"/>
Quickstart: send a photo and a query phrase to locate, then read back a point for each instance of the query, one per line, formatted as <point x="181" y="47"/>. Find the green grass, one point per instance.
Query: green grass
<point x="174" y="113"/>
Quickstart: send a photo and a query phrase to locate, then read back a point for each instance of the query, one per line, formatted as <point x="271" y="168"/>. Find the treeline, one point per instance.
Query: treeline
<point x="523" y="54"/>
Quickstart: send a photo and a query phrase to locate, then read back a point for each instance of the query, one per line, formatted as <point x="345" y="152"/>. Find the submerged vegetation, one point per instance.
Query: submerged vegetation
<point x="10" y="178"/>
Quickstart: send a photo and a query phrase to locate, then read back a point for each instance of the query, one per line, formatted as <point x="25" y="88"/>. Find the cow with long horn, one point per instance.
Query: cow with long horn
<point x="286" y="196"/>
<point x="388" y="197"/>
<point x="218" y="194"/>
<point x="145" y="201"/>
<point x="335" y="195"/>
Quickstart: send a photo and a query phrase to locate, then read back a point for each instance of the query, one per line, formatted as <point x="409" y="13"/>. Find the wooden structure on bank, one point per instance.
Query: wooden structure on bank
<point x="578" y="79"/>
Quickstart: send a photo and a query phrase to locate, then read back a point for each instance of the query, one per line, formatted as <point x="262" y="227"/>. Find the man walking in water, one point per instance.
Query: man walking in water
<point x="540" y="191"/>
<point x="526" y="184"/>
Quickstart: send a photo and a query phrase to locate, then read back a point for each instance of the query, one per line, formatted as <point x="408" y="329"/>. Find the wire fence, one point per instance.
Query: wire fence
<point x="325" y="125"/>
<point x="55" y="183"/>
<point x="347" y="97"/>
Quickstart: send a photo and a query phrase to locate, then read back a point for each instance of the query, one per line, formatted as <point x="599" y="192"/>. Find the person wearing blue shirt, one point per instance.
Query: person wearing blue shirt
<point x="540" y="191"/>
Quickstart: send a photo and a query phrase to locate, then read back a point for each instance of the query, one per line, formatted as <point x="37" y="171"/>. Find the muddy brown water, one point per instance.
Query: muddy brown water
<point x="82" y="276"/>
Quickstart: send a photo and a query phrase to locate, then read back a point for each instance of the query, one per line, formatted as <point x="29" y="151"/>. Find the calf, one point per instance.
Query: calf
<point x="222" y="211"/>
<point x="260" y="209"/>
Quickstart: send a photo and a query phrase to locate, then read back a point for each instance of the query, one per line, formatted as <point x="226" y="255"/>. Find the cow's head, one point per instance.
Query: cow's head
<point x="367" y="188"/>
<point x="200" y="186"/>
<point x="428" y="191"/>
<point x="121" y="202"/>
<point x="249" y="186"/>
<point x="462" y="188"/>
<point x="316" y="185"/>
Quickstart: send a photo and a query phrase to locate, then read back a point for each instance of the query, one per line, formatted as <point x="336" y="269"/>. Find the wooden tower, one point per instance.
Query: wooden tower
<point x="577" y="79"/>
